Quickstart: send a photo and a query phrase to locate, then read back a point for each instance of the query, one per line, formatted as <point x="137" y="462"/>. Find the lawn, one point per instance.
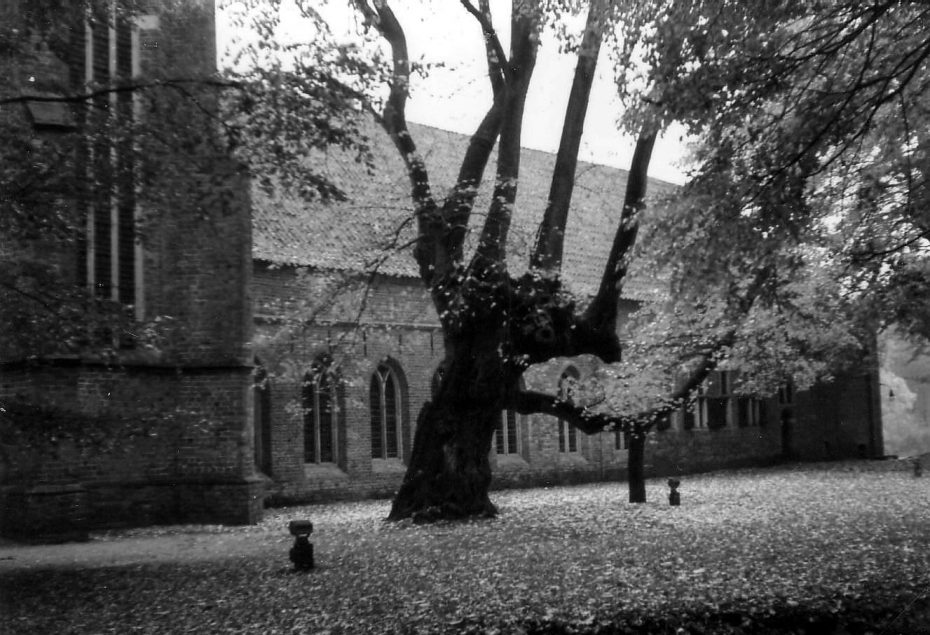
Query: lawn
<point x="841" y="548"/>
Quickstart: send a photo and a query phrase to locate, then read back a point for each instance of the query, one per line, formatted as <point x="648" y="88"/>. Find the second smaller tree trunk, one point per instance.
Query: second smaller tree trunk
<point x="635" y="470"/>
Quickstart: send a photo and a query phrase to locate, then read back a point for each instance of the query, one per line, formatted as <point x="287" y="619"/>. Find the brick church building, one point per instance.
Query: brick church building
<point x="303" y="345"/>
<point x="336" y="398"/>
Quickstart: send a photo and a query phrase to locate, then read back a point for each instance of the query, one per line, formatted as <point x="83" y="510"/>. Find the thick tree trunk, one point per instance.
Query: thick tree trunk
<point x="635" y="471"/>
<point x="449" y="471"/>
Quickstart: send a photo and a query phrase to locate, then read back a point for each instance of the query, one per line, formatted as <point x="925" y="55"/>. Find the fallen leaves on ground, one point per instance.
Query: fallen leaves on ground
<point x="814" y="548"/>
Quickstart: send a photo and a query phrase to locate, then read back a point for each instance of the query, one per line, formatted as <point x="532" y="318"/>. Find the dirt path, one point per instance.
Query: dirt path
<point x="183" y="547"/>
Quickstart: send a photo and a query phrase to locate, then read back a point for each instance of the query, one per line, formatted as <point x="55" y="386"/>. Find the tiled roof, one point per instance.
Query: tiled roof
<point x="376" y="222"/>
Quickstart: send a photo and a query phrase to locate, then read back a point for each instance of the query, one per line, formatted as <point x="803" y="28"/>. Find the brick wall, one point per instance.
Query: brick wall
<point x="399" y="324"/>
<point x="196" y="273"/>
<point x="157" y="439"/>
<point x="407" y="336"/>
<point x="173" y="432"/>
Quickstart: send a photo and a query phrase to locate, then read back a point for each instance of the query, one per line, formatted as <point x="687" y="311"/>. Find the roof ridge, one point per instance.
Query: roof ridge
<point x="346" y="235"/>
<point x="525" y="148"/>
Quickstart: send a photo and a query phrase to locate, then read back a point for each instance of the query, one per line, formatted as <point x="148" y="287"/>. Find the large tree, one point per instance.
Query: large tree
<point x="780" y="95"/>
<point x="496" y="325"/>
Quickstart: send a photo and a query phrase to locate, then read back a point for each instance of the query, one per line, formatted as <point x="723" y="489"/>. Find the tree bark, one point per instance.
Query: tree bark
<point x="449" y="471"/>
<point x="603" y="308"/>
<point x="636" y="474"/>
<point x="547" y="254"/>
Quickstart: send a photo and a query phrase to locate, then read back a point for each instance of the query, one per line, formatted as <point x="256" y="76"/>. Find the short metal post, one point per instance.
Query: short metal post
<point x="302" y="551"/>
<point x="674" y="498"/>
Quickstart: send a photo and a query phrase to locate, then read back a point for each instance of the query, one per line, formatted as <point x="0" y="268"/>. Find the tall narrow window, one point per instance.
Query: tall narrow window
<point x="261" y="420"/>
<point x="749" y="411"/>
<point x="106" y="55"/>
<point x="786" y="394"/>
<point x="506" y="438"/>
<point x="689" y="415"/>
<point x="320" y="409"/>
<point x="694" y="413"/>
<point x="386" y="415"/>
<point x="717" y="401"/>
<point x="568" y="434"/>
<point x="621" y="440"/>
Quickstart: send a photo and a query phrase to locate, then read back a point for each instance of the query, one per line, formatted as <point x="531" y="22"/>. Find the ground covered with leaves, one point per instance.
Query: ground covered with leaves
<point x="828" y="548"/>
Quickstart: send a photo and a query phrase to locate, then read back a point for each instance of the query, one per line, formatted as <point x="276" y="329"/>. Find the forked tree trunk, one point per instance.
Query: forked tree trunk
<point x="449" y="472"/>
<point x="635" y="470"/>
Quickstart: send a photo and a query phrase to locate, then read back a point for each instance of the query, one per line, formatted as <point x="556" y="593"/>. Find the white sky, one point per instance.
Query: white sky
<point x="456" y="97"/>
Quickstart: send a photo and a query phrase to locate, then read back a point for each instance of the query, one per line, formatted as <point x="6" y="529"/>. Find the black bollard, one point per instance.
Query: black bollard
<point x="674" y="498"/>
<point x="302" y="551"/>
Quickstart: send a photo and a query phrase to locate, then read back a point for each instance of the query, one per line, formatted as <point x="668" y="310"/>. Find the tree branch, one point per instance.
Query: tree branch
<point x="430" y="252"/>
<point x="543" y="324"/>
<point x="602" y="312"/>
<point x="532" y="402"/>
<point x="707" y="361"/>
<point x="460" y="202"/>
<point x="590" y="422"/>
<point x="547" y="255"/>
<point x="496" y="57"/>
<point x="524" y="44"/>
<point x="31" y="296"/>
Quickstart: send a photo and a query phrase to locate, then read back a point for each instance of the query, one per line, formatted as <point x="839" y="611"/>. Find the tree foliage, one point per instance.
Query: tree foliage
<point x="810" y="161"/>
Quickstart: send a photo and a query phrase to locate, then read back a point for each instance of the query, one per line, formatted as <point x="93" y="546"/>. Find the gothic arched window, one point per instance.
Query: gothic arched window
<point x="320" y="408"/>
<point x="386" y="403"/>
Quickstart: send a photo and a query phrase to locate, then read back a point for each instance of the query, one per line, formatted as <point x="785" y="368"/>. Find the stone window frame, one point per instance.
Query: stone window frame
<point x="568" y="434"/>
<point x="750" y="411"/>
<point x="507" y="437"/>
<point x="621" y="440"/>
<point x="321" y="380"/>
<point x="511" y="442"/>
<point x="717" y="398"/>
<point x="261" y="417"/>
<point x="786" y="393"/>
<point x="111" y="254"/>
<point x="387" y="375"/>
<point x="717" y="386"/>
